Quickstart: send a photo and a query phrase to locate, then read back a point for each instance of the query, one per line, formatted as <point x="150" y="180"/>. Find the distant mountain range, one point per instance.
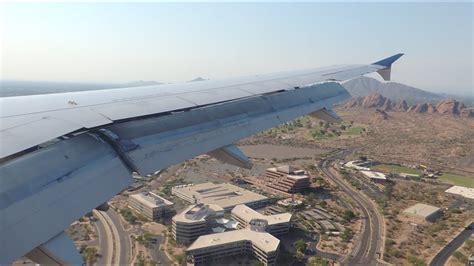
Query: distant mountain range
<point x="394" y="91"/>
<point x="10" y="88"/>
<point x="382" y="104"/>
<point x="358" y="87"/>
<point x="198" y="79"/>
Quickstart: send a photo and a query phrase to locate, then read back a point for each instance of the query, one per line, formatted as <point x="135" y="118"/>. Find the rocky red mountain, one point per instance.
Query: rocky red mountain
<point x="444" y="107"/>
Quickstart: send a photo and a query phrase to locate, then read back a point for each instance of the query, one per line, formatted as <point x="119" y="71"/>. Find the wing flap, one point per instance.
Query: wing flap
<point x="230" y="154"/>
<point x="60" y="250"/>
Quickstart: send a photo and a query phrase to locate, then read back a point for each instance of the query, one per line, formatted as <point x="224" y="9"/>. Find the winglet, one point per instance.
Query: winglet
<point x="387" y="63"/>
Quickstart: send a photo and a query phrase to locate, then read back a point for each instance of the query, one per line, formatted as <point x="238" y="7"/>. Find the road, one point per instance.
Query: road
<point x="103" y="236"/>
<point x="114" y="241"/>
<point x="108" y="244"/>
<point x="370" y="241"/>
<point x="443" y="256"/>
<point x="156" y="254"/>
<point x="123" y="236"/>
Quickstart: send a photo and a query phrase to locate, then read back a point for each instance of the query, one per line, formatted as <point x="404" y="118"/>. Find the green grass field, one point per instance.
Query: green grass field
<point x="458" y="180"/>
<point x="390" y="168"/>
<point x="354" y="131"/>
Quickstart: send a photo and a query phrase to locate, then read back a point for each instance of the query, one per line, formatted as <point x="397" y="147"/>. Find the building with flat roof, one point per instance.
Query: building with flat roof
<point x="150" y="205"/>
<point x="423" y="212"/>
<point x="194" y="221"/>
<point x="275" y="224"/>
<point x="375" y="177"/>
<point x="358" y="165"/>
<point x="212" y="247"/>
<point x="224" y="195"/>
<point x="465" y="192"/>
<point x="287" y="179"/>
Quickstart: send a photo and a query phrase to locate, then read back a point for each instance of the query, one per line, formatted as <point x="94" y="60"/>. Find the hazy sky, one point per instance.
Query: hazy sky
<point x="178" y="42"/>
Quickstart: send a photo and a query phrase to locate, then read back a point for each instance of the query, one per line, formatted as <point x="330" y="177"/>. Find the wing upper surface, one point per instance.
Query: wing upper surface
<point x="27" y="121"/>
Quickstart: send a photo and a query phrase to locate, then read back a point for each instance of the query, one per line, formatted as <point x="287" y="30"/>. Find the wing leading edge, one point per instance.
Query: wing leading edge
<point x="54" y="115"/>
<point x="43" y="190"/>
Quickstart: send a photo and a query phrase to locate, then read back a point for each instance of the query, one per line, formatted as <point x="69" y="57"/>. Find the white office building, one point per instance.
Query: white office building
<point x="150" y="205"/>
<point x="194" y="221"/>
<point x="212" y="248"/>
<point x="276" y="224"/>
<point x="225" y="195"/>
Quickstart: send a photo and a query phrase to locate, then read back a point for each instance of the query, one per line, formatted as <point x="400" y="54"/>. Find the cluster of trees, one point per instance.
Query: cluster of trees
<point x="300" y="248"/>
<point x="348" y="215"/>
<point x="326" y="129"/>
<point x="128" y="215"/>
<point x="347" y="235"/>
<point x="384" y="200"/>
<point x="144" y="239"/>
<point x="89" y="254"/>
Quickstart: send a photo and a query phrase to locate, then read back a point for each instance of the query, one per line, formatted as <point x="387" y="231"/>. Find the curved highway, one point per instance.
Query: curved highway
<point x="370" y="241"/>
<point x="443" y="256"/>
<point x="106" y="239"/>
<point x="103" y="238"/>
<point x="113" y="240"/>
<point x="122" y="235"/>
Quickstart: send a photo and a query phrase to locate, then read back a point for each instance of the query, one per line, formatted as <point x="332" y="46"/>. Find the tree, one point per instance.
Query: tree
<point x="388" y="190"/>
<point x="299" y="256"/>
<point x="89" y="254"/>
<point x="300" y="245"/>
<point x="347" y="235"/>
<point x="348" y="215"/>
<point x="179" y="258"/>
<point x="311" y="197"/>
<point x="128" y="215"/>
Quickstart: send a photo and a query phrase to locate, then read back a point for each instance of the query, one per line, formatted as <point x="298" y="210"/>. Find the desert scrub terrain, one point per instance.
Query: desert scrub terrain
<point x="416" y="243"/>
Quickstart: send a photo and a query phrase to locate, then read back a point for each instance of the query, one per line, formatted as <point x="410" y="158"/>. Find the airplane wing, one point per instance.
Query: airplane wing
<point x="61" y="155"/>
